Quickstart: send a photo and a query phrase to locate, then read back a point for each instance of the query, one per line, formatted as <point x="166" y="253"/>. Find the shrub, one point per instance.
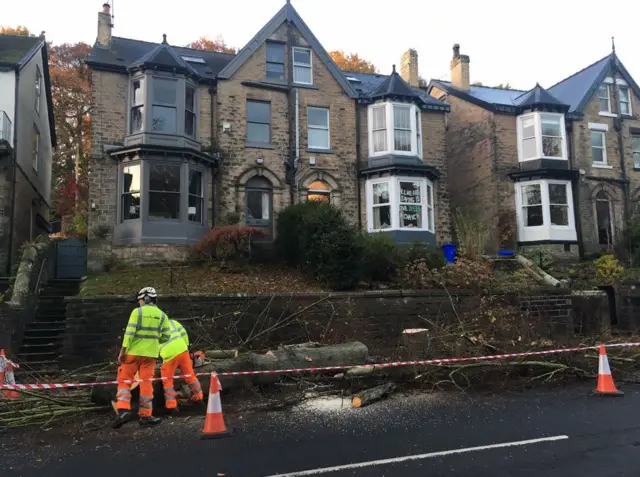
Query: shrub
<point x="381" y="257"/>
<point x="464" y="273"/>
<point x="432" y="256"/>
<point x="101" y="231"/>
<point x="608" y="268"/>
<point x="317" y="238"/>
<point x="472" y="235"/>
<point x="228" y="243"/>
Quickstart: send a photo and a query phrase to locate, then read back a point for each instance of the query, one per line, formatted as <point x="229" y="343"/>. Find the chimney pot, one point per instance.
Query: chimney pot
<point x="409" y="67"/>
<point x="456" y="50"/>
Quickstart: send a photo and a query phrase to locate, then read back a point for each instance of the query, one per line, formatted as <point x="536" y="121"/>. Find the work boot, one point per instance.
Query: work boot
<point x="150" y="421"/>
<point x="124" y="416"/>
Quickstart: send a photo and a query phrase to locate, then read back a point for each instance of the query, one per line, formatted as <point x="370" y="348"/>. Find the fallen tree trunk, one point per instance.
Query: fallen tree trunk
<point x="285" y="357"/>
<point x="221" y="353"/>
<point x="367" y="396"/>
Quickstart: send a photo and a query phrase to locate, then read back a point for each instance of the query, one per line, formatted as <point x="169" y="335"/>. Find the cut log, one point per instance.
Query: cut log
<point x="221" y="353"/>
<point x="285" y="357"/>
<point x="367" y="396"/>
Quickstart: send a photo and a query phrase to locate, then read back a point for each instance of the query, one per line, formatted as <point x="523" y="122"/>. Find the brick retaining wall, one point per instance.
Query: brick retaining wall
<point x="377" y="318"/>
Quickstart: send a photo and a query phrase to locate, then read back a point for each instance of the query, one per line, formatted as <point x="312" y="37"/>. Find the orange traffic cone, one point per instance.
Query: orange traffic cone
<point x="214" y="426"/>
<point x="605" y="387"/>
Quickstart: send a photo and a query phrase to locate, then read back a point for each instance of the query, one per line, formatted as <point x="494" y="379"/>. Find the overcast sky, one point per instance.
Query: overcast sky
<point x="542" y="41"/>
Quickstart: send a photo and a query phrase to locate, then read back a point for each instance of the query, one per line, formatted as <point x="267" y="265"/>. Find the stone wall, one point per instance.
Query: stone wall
<point x="95" y="325"/>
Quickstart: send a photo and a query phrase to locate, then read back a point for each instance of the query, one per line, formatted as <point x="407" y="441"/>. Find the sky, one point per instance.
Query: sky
<point x="542" y="41"/>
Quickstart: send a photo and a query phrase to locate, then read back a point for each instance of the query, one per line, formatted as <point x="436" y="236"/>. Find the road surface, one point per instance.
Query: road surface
<point x="562" y="432"/>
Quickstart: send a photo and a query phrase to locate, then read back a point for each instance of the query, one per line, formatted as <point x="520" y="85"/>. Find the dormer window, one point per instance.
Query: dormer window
<point x="164" y="106"/>
<point x="394" y="128"/>
<point x="302" y="69"/>
<point x="137" y="106"/>
<point x="541" y="136"/>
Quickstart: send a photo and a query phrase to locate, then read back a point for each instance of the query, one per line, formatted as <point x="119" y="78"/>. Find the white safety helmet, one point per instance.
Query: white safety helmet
<point x="147" y="294"/>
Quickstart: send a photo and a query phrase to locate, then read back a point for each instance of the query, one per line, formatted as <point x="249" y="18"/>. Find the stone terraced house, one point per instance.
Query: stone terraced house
<point x="183" y="138"/>
<point x="562" y="162"/>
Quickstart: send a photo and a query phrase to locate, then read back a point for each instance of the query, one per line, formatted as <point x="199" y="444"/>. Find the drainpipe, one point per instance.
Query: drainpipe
<point x="291" y="160"/>
<point x="215" y="171"/>
<point x="13" y="180"/>
<point x="359" y="195"/>
<point x="575" y="186"/>
<point x="618" y="123"/>
<point x="296" y="161"/>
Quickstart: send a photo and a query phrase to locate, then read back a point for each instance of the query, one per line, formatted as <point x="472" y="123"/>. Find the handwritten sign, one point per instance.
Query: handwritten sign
<point x="410" y="192"/>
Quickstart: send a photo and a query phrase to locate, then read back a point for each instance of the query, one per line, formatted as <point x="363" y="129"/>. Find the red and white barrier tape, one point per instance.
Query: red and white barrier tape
<point x="18" y="387"/>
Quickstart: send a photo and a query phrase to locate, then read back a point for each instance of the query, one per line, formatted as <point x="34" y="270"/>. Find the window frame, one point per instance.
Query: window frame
<point x="415" y="121"/>
<point x="264" y="190"/>
<point x="200" y="197"/>
<point x="537" y="116"/>
<point x="635" y="152"/>
<point x="609" y="203"/>
<point x="546" y="231"/>
<point x="38" y="89"/>
<point x="256" y="122"/>
<point x="626" y="87"/>
<point x="154" y="102"/>
<point x="302" y="65"/>
<point x="426" y="202"/>
<point x="319" y="128"/>
<point x="187" y="111"/>
<point x="35" y="149"/>
<point x="603" y="135"/>
<point x="608" y="98"/>
<point x="137" y="106"/>
<point x="267" y="62"/>
<point x="122" y="192"/>
<point x="148" y="191"/>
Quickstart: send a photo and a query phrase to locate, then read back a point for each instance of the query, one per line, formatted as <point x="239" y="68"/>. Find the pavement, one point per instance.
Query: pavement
<point x="561" y="432"/>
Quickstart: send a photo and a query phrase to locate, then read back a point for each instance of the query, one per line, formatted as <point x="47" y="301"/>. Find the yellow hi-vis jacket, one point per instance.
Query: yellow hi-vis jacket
<point x="148" y="326"/>
<point x="178" y="342"/>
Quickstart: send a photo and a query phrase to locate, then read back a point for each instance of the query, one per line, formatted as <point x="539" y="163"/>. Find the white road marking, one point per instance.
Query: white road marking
<point x="395" y="460"/>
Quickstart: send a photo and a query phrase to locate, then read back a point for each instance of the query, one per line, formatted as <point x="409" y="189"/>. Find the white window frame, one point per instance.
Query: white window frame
<point x="302" y="65"/>
<point x="537" y="117"/>
<point x="35" y="152"/>
<point x="620" y="87"/>
<point x="319" y="128"/>
<point x="608" y="99"/>
<point x="635" y="152"/>
<point x="601" y="129"/>
<point x="547" y="231"/>
<point x="426" y="202"/>
<point x="415" y="118"/>
<point x="38" y="89"/>
<point x="620" y="83"/>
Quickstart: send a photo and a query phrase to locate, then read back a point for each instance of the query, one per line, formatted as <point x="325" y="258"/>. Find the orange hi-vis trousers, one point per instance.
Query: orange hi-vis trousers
<point x="146" y="368"/>
<point x="168" y="370"/>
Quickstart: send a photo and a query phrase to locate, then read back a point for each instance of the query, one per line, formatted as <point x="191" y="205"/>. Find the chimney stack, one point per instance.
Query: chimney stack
<point x="460" y="70"/>
<point x="104" y="27"/>
<point x="409" y="67"/>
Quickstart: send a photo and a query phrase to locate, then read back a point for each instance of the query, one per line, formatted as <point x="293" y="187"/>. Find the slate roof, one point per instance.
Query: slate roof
<point x="125" y="52"/>
<point x="483" y="95"/>
<point x="164" y="57"/>
<point x="539" y="96"/>
<point x="366" y="85"/>
<point x="394" y="86"/>
<point x="15" y="50"/>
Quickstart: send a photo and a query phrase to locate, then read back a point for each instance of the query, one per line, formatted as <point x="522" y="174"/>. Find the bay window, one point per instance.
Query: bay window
<point x="541" y="136"/>
<point x="544" y="209"/>
<point x="131" y="192"/>
<point x="190" y="111"/>
<point x="400" y="203"/>
<point x="196" y="196"/>
<point x="394" y="128"/>
<point x="136" y="121"/>
<point x="164" y="192"/>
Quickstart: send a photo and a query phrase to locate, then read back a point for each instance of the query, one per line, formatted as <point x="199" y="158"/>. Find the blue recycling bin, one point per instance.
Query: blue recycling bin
<point x="450" y="252"/>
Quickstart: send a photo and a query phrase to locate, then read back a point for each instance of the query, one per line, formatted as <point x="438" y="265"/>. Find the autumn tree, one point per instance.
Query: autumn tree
<point x="71" y="92"/>
<point x="218" y="45"/>
<point x="18" y="30"/>
<point x="351" y="62"/>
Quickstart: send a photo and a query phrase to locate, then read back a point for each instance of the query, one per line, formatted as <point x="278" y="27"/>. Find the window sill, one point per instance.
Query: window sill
<point x="258" y="145"/>
<point x="628" y="116"/>
<point x="601" y="166"/>
<point x="403" y="229"/>
<point x="543" y="157"/>
<point x="304" y="85"/>
<point x="320" y="151"/>
<point x="608" y="115"/>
